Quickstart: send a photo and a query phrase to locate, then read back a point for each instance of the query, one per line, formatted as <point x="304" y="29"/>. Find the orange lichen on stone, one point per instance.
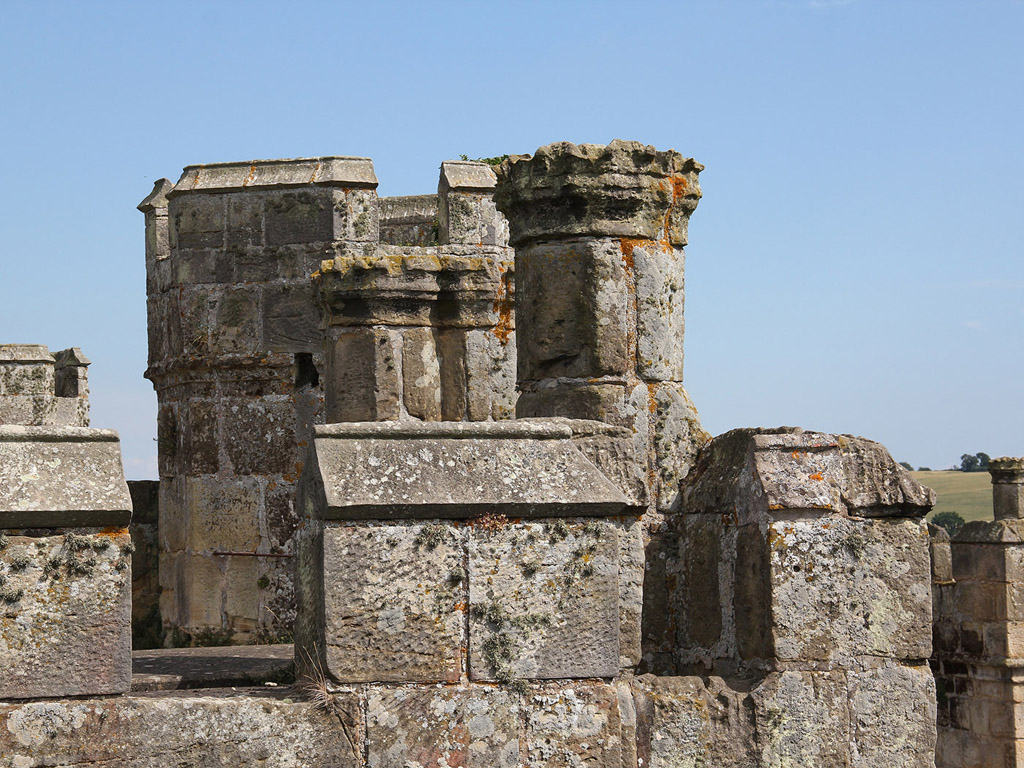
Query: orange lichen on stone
<point x="817" y="476"/>
<point x="503" y="306"/>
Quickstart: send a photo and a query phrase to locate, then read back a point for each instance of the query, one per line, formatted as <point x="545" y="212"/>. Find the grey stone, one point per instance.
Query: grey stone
<point x="659" y="273"/>
<point x="394" y="602"/>
<point x="299" y="216"/>
<point x="544" y="600"/>
<point x="421" y="375"/>
<point x="624" y="189"/>
<point x="291" y="322"/>
<point x="362" y="376"/>
<point x="350" y="172"/>
<point x="468" y="726"/>
<point x="356" y="216"/>
<point x="61" y="477"/>
<point x="677" y="436"/>
<point x="867" y="583"/>
<point x="467" y="175"/>
<point x="802" y="718"/>
<point x="757" y="472"/>
<point x="577" y="324"/>
<point x="683" y="722"/>
<point x="490" y="374"/>
<point x="182" y="729"/>
<point x="1007" y="487"/>
<point x="409" y="220"/>
<point x="455" y="470"/>
<point x="574" y="724"/>
<point x="65" y="613"/>
<point x="892" y="712"/>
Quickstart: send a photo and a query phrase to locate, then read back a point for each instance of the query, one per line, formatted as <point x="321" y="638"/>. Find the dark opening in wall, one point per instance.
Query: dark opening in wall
<point x="306" y="374"/>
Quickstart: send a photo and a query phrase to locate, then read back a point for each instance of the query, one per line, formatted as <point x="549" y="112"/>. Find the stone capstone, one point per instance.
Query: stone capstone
<point x="455" y="470"/>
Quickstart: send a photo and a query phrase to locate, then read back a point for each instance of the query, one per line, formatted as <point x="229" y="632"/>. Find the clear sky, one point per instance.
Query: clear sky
<point x="855" y="264"/>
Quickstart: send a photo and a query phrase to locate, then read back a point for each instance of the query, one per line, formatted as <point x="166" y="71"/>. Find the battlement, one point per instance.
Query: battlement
<point x="40" y="389"/>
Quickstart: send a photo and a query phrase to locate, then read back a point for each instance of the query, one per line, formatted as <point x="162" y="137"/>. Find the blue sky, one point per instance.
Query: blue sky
<point x="854" y="266"/>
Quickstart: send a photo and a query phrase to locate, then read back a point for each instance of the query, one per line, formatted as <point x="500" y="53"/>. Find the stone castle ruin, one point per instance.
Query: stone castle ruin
<point x="441" y="444"/>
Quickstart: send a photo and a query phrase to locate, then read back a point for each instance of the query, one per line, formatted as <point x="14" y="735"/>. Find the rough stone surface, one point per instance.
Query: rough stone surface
<point x="756" y="471"/>
<point x="181" y="730"/>
<point x="867" y="584"/>
<point x="681" y="721"/>
<point x="457" y="470"/>
<point x="576" y="725"/>
<point x="577" y="324"/>
<point x="677" y="436"/>
<point x="421" y="375"/>
<point x="363" y="383"/>
<point x="660" y="326"/>
<point x="394" y="605"/>
<point x="65" y="613"/>
<point x="61" y="476"/>
<point x="892" y="716"/>
<point x="469" y="726"/>
<point x="544" y="600"/>
<point x="624" y="189"/>
<point x="802" y="718"/>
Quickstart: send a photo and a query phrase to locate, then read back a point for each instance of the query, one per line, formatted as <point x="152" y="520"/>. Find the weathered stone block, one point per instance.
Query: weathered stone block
<point x="393" y="602"/>
<point x="892" y="712"/>
<point x="222" y="516"/>
<point x="802" y="718"/>
<point x="204" y="592"/>
<point x="65" y="613"/>
<point x="658" y="271"/>
<point x="244" y="219"/>
<point x="678" y="437"/>
<point x="421" y="374"/>
<point x="544" y="600"/>
<point x="575" y="724"/>
<point x="356" y="217"/>
<point x="291" y="320"/>
<point x="866" y="583"/>
<point x="801" y="471"/>
<point x="182" y="728"/>
<point x="577" y="324"/>
<point x="61" y="477"/>
<point x="235" y="326"/>
<point x="197" y="221"/>
<point x="242" y="593"/>
<point x="631" y="591"/>
<point x="259" y="435"/>
<point x="468" y="726"/>
<point x="490" y="374"/>
<point x="299" y="216"/>
<point x="610" y="403"/>
<point x="681" y="722"/>
<point x="624" y="189"/>
<point x="362" y="376"/>
<point x="393" y="470"/>
<point x="28" y="410"/>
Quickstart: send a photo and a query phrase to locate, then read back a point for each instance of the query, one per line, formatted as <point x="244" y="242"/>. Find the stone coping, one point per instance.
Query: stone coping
<point x="168" y="669"/>
<point x="25" y="353"/>
<point x="17" y="433"/>
<point x="61" y="477"/>
<point x="456" y="470"/>
<point x="337" y="171"/>
<point x="467" y="175"/>
<point x="431" y="430"/>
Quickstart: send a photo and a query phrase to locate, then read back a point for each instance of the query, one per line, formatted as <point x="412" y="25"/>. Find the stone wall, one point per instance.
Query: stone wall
<point x="420" y="328"/>
<point x="979" y="631"/>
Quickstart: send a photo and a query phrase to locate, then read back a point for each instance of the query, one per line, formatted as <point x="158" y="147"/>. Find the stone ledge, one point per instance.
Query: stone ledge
<point x="166" y="669"/>
<point x="454" y="470"/>
<point x="58" y="477"/>
<point x="348" y="172"/>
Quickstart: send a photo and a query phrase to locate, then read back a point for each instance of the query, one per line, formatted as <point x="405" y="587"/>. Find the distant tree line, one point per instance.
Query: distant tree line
<point x="977" y="462"/>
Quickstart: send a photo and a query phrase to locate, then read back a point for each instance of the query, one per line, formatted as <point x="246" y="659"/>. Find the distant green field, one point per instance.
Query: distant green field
<point x="969" y="493"/>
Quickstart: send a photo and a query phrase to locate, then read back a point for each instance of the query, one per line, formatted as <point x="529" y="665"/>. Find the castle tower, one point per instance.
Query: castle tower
<point x="418" y="318"/>
<point x="235" y="360"/>
<point x="604" y="340"/>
